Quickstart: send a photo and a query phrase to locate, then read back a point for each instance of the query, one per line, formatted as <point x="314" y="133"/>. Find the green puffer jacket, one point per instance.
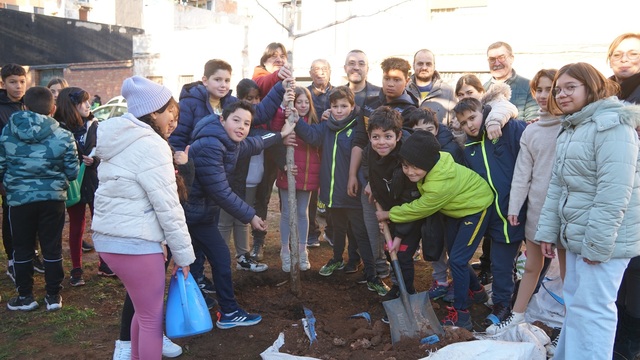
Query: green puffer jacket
<point x="593" y="202"/>
<point x="37" y="159"/>
<point x="450" y="188"/>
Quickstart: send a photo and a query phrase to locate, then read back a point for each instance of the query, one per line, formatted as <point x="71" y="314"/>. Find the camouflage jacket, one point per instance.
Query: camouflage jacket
<point x="37" y="159"/>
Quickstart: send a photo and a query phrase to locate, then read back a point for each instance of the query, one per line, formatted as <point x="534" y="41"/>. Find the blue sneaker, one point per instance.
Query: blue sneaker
<point x="437" y="291"/>
<point x="237" y="318"/>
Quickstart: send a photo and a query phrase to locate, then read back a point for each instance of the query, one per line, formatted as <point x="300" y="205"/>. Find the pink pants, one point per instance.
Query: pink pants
<point x="144" y="278"/>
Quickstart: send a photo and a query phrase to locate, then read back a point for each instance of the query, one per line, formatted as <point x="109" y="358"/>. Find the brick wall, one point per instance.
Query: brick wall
<point x="101" y="78"/>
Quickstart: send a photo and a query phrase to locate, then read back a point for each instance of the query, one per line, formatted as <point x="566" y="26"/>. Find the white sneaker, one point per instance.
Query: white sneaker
<point x="512" y="320"/>
<point x="304" y="259"/>
<point x="169" y="348"/>
<point x="122" y="351"/>
<point x="286" y="261"/>
<point x="246" y="262"/>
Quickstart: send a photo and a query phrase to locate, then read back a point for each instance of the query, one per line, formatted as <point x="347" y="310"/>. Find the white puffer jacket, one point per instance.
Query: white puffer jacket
<point x="137" y="201"/>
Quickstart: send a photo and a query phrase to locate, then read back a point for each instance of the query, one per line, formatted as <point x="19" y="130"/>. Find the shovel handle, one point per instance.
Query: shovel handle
<point x="387" y="235"/>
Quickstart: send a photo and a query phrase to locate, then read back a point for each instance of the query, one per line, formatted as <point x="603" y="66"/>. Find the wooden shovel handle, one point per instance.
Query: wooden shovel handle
<point x="387" y="234"/>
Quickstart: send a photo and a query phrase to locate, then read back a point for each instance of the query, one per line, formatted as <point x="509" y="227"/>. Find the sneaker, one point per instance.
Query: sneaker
<point x="206" y="285"/>
<point x="362" y="280"/>
<point x="479" y="297"/>
<point x="331" y="266"/>
<point x="459" y="318"/>
<point x="383" y="274"/>
<point x="23" y="303"/>
<point x="485" y="277"/>
<point x="385" y="319"/>
<point x="392" y="294"/>
<point x="237" y="318"/>
<point x="211" y="302"/>
<point x="76" y="277"/>
<point x="352" y="267"/>
<point x="105" y="270"/>
<point x="86" y="247"/>
<point x="378" y="286"/>
<point x="122" y="350"/>
<point x="285" y="259"/>
<point x="512" y="320"/>
<point x="476" y="265"/>
<point x="257" y="252"/>
<point x="11" y="273"/>
<point x="449" y="297"/>
<point x="246" y="262"/>
<point x="437" y="291"/>
<point x="551" y="347"/>
<point x="54" y="302"/>
<point x="169" y="348"/>
<point x="37" y="264"/>
<point x="498" y="314"/>
<point x="327" y="239"/>
<point x="311" y="243"/>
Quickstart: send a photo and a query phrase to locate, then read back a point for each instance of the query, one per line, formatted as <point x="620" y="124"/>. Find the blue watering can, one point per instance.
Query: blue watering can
<point x="187" y="312"/>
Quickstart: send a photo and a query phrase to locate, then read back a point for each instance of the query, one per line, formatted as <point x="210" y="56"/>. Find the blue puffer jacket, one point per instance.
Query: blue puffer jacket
<point x="335" y="138"/>
<point x="214" y="157"/>
<point x="194" y="105"/>
<point x="495" y="160"/>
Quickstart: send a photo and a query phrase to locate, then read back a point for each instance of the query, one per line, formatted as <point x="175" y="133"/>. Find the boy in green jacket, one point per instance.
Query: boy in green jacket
<point x="463" y="197"/>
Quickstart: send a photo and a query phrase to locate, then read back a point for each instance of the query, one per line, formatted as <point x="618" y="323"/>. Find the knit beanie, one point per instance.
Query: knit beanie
<point x="421" y="149"/>
<point x="144" y="96"/>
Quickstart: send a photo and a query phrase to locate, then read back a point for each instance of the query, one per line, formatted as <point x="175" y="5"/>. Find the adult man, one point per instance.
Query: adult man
<point x="320" y="87"/>
<point x="500" y="58"/>
<point x="427" y="86"/>
<point x="356" y="66"/>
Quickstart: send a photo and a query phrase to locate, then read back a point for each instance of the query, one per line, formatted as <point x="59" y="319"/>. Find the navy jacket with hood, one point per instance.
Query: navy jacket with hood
<point x="194" y="105"/>
<point x="214" y="157"/>
<point x="335" y="138"/>
<point x="7" y="107"/>
<point x="495" y="161"/>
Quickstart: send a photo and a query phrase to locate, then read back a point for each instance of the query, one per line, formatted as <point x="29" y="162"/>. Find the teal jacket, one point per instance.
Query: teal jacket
<point x="593" y="201"/>
<point x="450" y="188"/>
<point x="37" y="159"/>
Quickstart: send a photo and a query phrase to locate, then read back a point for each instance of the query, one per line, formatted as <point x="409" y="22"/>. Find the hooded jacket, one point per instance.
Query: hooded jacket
<point x="335" y="137"/>
<point x="194" y="105"/>
<point x="450" y="188"/>
<point x="8" y="107"/>
<point x="37" y="159"/>
<point x="593" y="202"/>
<point x="136" y="205"/>
<point x="441" y="98"/>
<point x="214" y="157"/>
<point x="495" y="161"/>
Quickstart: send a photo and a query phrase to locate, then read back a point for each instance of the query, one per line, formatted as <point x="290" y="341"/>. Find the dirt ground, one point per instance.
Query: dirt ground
<point x="88" y="324"/>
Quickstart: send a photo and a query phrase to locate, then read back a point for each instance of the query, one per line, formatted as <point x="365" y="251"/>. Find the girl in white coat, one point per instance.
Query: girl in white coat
<point x="137" y="208"/>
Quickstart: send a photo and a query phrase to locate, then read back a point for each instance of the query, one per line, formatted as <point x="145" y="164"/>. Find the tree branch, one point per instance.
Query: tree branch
<point x="273" y="17"/>
<point x="338" y="22"/>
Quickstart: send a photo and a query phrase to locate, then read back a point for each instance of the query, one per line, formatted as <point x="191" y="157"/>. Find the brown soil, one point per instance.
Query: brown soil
<point x="88" y="324"/>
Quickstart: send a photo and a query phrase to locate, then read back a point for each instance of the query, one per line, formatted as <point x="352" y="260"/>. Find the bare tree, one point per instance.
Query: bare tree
<point x="294" y="240"/>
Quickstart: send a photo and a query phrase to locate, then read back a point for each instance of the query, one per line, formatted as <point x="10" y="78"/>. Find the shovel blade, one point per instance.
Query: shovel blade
<point x="418" y="320"/>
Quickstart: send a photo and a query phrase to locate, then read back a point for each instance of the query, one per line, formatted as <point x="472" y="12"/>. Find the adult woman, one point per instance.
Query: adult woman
<point x="592" y="206"/>
<point x="137" y="207"/>
<point x="73" y="112"/>
<point x="624" y="59"/>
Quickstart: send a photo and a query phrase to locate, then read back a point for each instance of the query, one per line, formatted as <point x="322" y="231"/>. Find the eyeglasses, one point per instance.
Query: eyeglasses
<point x="354" y="63"/>
<point x="631" y="55"/>
<point x="500" y="58"/>
<point x="318" y="69"/>
<point x="568" y="91"/>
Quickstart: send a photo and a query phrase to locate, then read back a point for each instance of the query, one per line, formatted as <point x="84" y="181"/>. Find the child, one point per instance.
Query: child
<point x="137" y="207"/>
<point x="307" y="160"/>
<point x="425" y="119"/>
<point x="246" y="177"/>
<point x="14" y="85"/>
<point x="218" y="142"/>
<point x="335" y="136"/>
<point x="530" y="183"/>
<point x="495" y="160"/>
<point x="390" y="187"/>
<point x="73" y="112"/>
<point x="463" y="197"/>
<point x="36" y="189"/>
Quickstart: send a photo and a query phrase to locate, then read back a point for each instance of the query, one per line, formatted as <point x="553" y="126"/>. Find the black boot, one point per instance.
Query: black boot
<point x="627" y="345"/>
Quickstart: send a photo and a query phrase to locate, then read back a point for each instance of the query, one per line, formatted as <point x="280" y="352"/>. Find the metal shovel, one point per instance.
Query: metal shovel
<point x="411" y="315"/>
